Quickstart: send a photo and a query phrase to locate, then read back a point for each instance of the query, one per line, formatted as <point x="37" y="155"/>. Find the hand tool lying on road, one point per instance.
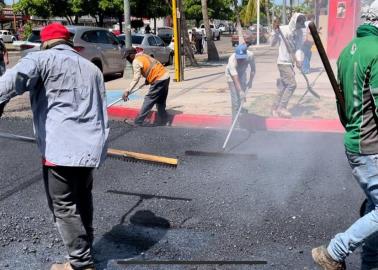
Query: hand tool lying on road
<point x="290" y="50"/>
<point x="223" y="153"/>
<point x="113" y="153"/>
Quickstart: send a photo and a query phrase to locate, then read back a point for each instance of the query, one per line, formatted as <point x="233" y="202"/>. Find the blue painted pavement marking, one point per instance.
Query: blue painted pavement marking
<point x="113" y="95"/>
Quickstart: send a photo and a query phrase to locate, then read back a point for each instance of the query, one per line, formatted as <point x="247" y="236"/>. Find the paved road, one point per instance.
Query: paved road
<point x="295" y="195"/>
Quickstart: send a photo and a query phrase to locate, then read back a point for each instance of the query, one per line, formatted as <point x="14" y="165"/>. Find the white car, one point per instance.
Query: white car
<point x="6" y="36"/>
<point x="152" y="45"/>
<point x="33" y="43"/>
<point x="216" y="32"/>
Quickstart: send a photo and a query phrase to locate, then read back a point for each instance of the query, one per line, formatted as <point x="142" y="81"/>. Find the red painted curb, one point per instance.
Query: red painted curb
<point x="249" y="121"/>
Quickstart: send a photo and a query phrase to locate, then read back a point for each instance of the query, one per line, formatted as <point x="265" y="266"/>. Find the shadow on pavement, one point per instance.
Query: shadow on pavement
<point x="303" y="110"/>
<point x="127" y="241"/>
<point x="130" y="240"/>
<point x="112" y="77"/>
<point x="252" y="122"/>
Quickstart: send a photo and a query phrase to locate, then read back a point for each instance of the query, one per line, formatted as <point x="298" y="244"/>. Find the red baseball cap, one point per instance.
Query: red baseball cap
<point x="54" y="31"/>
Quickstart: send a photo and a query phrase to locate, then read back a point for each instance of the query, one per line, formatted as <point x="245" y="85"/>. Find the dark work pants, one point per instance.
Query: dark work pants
<point x="157" y="94"/>
<point x="69" y="195"/>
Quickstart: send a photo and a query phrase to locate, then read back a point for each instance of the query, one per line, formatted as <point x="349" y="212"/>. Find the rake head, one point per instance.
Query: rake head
<point x="219" y="154"/>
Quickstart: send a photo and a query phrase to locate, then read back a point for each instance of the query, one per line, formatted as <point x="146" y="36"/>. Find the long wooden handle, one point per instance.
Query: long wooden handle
<point x="327" y="67"/>
<point x="111" y="152"/>
<point x="141" y="156"/>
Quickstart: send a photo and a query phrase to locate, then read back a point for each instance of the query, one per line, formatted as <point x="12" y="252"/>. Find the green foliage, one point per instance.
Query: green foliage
<point x="137" y="24"/>
<point x="34" y="7"/>
<point x="101" y="8"/>
<point x="28" y="28"/>
<point x="217" y="9"/>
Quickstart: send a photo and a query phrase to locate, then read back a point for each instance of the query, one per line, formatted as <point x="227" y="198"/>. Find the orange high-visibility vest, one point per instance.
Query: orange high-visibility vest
<point x="152" y="69"/>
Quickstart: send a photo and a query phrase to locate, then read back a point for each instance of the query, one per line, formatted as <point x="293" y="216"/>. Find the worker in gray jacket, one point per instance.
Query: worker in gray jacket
<point x="286" y="84"/>
<point x="67" y="95"/>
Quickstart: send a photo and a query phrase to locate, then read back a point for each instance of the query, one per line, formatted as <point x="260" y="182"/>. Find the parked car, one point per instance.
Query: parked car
<point x="216" y="32"/>
<point x="151" y="45"/>
<point x="250" y="37"/>
<point x="97" y="45"/>
<point x="6" y="36"/>
<point x="222" y="28"/>
<point x="165" y="33"/>
<point x="247" y="36"/>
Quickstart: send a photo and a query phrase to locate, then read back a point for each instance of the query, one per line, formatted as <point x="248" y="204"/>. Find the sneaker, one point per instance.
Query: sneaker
<point x="66" y="266"/>
<point x="323" y="259"/>
<point x="274" y="113"/>
<point x="284" y="113"/>
<point x="61" y="266"/>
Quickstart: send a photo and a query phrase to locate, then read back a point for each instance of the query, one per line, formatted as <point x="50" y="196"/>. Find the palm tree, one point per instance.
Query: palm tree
<point x="250" y="11"/>
<point x="212" y="52"/>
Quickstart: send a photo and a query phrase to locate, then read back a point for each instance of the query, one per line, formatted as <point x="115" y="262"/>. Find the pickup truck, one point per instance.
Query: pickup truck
<point x="216" y="32"/>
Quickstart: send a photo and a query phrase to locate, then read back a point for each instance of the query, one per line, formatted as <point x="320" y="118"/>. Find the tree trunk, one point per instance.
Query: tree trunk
<point x="100" y="20"/>
<point x="120" y="19"/>
<point x="268" y="21"/>
<point x="155" y="30"/>
<point x="69" y="19"/>
<point x="212" y="52"/>
<point x="187" y="47"/>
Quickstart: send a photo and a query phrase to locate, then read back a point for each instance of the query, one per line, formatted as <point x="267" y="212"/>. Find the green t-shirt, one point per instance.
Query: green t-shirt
<point x="358" y="79"/>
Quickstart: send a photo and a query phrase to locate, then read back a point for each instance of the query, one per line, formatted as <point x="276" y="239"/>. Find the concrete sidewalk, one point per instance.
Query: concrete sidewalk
<point x="205" y="92"/>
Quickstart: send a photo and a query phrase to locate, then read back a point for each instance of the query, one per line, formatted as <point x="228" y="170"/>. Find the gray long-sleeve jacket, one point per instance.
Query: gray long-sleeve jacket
<point x="295" y="39"/>
<point x="68" y="101"/>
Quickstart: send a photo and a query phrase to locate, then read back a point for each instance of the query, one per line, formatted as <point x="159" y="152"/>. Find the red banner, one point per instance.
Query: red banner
<point x="343" y="20"/>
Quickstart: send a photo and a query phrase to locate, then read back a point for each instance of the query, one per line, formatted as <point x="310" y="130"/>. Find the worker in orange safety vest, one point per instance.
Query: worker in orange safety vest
<point x="157" y="76"/>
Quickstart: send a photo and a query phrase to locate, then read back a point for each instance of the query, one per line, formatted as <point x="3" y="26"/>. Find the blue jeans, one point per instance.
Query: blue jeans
<point x="307" y="59"/>
<point x="365" y="230"/>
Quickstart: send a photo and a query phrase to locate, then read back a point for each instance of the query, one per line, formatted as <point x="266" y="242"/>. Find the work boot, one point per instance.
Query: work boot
<point x="323" y="259"/>
<point x="284" y="113"/>
<point x="274" y="113"/>
<point x="66" y="266"/>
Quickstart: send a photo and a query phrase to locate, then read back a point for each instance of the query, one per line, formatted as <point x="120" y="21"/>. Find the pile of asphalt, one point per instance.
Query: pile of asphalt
<point x="296" y="195"/>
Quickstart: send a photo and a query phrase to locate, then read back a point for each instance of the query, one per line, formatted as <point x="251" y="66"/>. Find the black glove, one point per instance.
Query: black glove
<point x="2" y="106"/>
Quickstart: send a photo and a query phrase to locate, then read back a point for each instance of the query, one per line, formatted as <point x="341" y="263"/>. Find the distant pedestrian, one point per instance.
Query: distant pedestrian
<point x="197" y="39"/>
<point x="4" y="58"/>
<point x="239" y="77"/>
<point x="358" y="79"/>
<point x="68" y="101"/>
<point x="157" y="76"/>
<point x="147" y="29"/>
<point x="306" y="48"/>
<point x="286" y="84"/>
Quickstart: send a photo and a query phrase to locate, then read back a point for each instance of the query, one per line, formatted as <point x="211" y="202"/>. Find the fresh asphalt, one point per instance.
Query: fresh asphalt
<point x="295" y="195"/>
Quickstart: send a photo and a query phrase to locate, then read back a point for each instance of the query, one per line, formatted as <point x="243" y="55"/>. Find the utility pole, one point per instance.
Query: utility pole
<point x="177" y="41"/>
<point x="291" y="8"/>
<point x="258" y="22"/>
<point x="128" y="72"/>
<point x="284" y="12"/>
<point x="14" y="19"/>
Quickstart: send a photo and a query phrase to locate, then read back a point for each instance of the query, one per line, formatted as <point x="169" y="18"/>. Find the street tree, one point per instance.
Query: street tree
<point x="212" y="52"/>
<point x="51" y="8"/>
<point x="217" y="9"/>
